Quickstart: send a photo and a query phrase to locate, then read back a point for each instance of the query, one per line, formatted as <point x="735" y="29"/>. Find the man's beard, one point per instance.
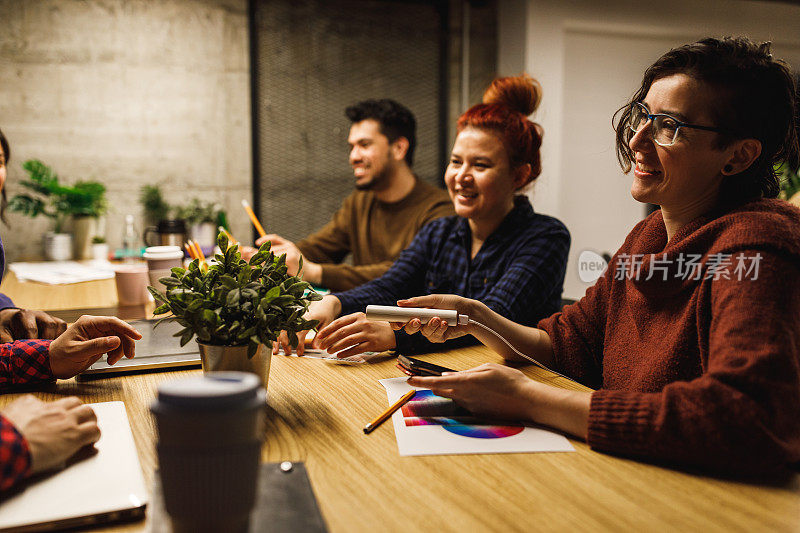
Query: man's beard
<point x="378" y="180"/>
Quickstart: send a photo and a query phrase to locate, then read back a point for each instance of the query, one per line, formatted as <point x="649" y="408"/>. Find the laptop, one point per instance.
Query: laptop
<point x="157" y="350"/>
<point x="102" y="488"/>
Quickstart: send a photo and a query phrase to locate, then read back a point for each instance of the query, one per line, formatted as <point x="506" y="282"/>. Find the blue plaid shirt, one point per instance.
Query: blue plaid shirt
<point x="518" y="272"/>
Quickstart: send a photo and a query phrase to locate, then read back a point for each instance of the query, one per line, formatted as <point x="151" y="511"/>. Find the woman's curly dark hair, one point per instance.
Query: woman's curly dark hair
<point x="757" y="100"/>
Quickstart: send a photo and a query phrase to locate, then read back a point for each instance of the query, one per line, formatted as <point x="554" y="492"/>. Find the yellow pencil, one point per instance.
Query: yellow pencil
<point x="253" y="219"/>
<point x="189" y="250"/>
<point x="199" y="251"/>
<point x="388" y="412"/>
<point x="231" y="238"/>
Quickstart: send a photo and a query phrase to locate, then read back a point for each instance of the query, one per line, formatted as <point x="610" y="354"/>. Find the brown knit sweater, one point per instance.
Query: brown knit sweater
<point x="703" y="372"/>
<point x="374" y="232"/>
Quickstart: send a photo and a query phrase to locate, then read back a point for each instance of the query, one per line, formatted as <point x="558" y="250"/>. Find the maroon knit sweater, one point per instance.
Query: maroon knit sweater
<point x="702" y="372"/>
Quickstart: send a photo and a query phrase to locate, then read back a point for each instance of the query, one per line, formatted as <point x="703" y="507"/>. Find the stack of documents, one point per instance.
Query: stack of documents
<point x="62" y="272"/>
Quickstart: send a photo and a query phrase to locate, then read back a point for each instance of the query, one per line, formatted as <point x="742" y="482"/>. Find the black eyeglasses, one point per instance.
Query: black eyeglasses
<point x="664" y="130"/>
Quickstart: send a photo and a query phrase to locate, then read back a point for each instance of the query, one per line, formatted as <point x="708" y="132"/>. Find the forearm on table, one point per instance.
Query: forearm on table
<point x="562" y="409"/>
<point x="530" y="341"/>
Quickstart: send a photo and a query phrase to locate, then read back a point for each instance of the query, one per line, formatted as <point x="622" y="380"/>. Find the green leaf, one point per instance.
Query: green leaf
<point x="178" y="271"/>
<point x="233" y="298"/>
<point x="228" y="282"/>
<point x="222" y="242"/>
<point x="210" y="316"/>
<point x="297" y="289"/>
<point x="159" y="297"/>
<point x="160" y="310"/>
<point x="186" y="338"/>
<point x="195" y="305"/>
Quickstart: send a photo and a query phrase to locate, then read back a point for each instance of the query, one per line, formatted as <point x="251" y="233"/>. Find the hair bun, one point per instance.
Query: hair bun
<point x="520" y="93"/>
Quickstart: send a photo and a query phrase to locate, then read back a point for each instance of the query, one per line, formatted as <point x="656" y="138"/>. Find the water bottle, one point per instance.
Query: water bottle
<point x="130" y="240"/>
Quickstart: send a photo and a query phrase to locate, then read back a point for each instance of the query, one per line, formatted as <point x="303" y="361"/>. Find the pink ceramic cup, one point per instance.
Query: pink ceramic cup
<point x="132" y="283"/>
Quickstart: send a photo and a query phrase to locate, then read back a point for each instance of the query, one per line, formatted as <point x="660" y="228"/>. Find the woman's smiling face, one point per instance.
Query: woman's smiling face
<point x="687" y="173"/>
<point x="479" y="177"/>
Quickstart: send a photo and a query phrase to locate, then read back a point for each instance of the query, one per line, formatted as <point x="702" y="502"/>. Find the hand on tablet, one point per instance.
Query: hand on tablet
<point x="54" y="430"/>
<point x="85" y="341"/>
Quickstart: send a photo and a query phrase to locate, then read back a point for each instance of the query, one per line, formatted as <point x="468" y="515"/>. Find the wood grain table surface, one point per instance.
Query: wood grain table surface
<point x="315" y="414"/>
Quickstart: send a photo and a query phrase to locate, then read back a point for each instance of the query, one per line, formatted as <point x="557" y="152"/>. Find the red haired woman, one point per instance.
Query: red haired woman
<point x="496" y="250"/>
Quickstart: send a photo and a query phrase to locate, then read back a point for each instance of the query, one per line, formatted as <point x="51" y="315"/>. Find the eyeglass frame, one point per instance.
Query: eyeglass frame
<point x="652" y="116"/>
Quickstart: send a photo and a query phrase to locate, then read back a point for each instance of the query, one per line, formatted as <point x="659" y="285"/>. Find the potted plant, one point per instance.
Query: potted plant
<point x="235" y="307"/>
<point x="201" y="218"/>
<point x="169" y="229"/>
<point x="86" y="213"/>
<point x="58" y="202"/>
<point x="790" y="183"/>
<point x="154" y="206"/>
<point x="99" y="248"/>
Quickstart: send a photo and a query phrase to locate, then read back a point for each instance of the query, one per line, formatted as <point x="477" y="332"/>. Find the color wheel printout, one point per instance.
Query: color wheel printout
<point x="431" y="425"/>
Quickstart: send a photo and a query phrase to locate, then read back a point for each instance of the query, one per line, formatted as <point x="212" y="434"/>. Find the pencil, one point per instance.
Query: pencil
<point x="231" y="238"/>
<point x="189" y="250"/>
<point x="198" y="252"/>
<point x="388" y="412"/>
<point x="253" y="219"/>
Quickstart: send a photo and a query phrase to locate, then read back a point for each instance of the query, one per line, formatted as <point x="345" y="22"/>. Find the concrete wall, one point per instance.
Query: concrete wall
<point x="589" y="57"/>
<point x="127" y="93"/>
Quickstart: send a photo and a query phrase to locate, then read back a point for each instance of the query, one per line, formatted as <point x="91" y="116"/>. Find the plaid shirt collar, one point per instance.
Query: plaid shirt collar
<point x="518" y="216"/>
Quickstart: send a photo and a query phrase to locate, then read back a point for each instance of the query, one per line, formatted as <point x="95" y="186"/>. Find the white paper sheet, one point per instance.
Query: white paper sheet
<point x="62" y="272"/>
<point x="468" y="436"/>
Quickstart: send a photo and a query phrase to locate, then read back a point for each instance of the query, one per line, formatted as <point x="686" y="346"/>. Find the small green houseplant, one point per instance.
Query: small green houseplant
<point x="84" y="201"/>
<point x="57" y="201"/>
<point x="202" y="220"/>
<point x="235" y="303"/>
<point x="154" y="206"/>
<point x="198" y="212"/>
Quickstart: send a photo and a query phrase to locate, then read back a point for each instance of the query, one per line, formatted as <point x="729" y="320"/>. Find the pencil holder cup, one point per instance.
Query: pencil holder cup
<point x="210" y="432"/>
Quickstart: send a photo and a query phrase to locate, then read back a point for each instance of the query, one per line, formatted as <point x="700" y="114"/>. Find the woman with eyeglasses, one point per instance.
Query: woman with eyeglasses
<point x="691" y="336"/>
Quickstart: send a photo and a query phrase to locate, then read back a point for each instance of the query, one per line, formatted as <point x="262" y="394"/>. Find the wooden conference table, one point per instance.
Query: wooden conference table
<point x="316" y="412"/>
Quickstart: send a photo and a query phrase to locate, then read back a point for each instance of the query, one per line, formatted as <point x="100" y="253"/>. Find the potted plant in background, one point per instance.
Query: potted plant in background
<point x="99" y="248"/>
<point x="89" y="206"/>
<point x="159" y="219"/>
<point x="57" y="202"/>
<point x="154" y="206"/>
<point x="202" y="219"/>
<point x="790" y="183"/>
<point x="235" y="308"/>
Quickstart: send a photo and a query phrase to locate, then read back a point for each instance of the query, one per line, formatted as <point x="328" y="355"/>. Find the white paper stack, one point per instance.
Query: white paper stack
<point x="62" y="272"/>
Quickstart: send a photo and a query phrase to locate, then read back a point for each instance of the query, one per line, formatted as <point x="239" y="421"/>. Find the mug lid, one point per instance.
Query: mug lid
<point x="163" y="252"/>
<point x="213" y="389"/>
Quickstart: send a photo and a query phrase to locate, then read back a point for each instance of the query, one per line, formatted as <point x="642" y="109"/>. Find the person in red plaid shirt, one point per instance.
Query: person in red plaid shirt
<point x="36" y="436"/>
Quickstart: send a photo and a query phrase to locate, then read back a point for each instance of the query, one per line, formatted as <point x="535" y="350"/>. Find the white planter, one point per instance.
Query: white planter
<point x="57" y="246"/>
<point x="205" y="234"/>
<point x="100" y="251"/>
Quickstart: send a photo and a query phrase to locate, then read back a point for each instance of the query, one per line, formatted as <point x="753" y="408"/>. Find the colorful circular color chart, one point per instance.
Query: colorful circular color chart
<point x="484" y="432"/>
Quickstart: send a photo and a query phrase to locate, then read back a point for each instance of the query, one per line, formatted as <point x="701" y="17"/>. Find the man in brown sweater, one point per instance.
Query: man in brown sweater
<point x="381" y="217"/>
